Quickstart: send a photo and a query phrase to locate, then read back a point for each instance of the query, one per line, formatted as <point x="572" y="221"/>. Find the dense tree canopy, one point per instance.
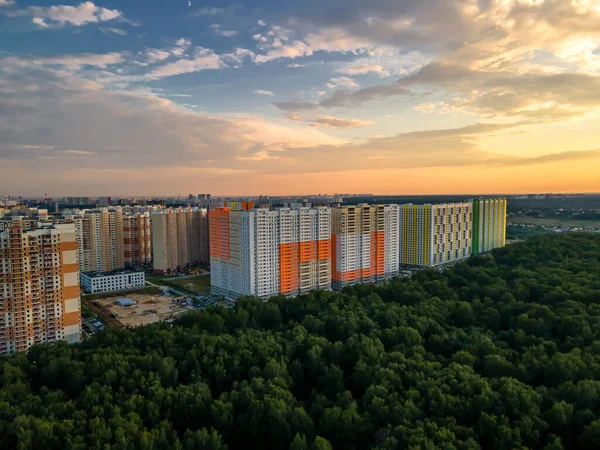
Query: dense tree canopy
<point x="500" y="352"/>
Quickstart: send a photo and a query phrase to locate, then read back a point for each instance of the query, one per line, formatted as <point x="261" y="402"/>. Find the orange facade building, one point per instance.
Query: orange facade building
<point x="39" y="286"/>
<point x="262" y="252"/>
<point x="364" y="244"/>
<point x="137" y="240"/>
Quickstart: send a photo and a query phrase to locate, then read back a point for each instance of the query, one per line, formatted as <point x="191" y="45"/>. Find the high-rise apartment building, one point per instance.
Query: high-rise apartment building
<point x="39" y="287"/>
<point x="100" y="240"/>
<point x="137" y="245"/>
<point x="489" y="224"/>
<point x="262" y="253"/>
<point x="179" y="238"/>
<point x="198" y="237"/>
<point x="435" y="235"/>
<point x="364" y="244"/>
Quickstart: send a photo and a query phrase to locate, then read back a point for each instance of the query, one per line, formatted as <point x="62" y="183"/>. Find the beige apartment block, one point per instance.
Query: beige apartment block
<point x="179" y="238"/>
<point x="137" y="239"/>
<point x="100" y="238"/>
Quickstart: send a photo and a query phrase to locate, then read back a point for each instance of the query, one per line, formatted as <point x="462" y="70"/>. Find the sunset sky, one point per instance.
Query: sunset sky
<point x="160" y="97"/>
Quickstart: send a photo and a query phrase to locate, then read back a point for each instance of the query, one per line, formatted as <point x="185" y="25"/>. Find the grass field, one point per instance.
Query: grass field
<point x="555" y="222"/>
<point x="149" y="290"/>
<point x="199" y="284"/>
<point x="156" y="279"/>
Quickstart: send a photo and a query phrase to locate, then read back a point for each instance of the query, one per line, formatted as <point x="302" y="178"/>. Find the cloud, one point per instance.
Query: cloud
<point x="45" y="117"/>
<point x="40" y="22"/>
<point x="238" y="55"/>
<point x="258" y="156"/>
<point x="223" y="33"/>
<point x="345" y="98"/>
<point x="295" y="66"/>
<point x="119" y="31"/>
<point x="262" y="92"/>
<point x="208" y="11"/>
<point x="205" y="59"/>
<point x="564" y="156"/>
<point x="507" y="59"/>
<point x="41" y="105"/>
<point x="155" y="55"/>
<point x="72" y="62"/>
<point x="343" y="82"/>
<point x="261" y="23"/>
<point x="279" y="42"/>
<point x="78" y="152"/>
<point x="359" y="68"/>
<point x="329" y="121"/>
<point x="338" y="122"/>
<point x="60" y="15"/>
<point x="6" y="3"/>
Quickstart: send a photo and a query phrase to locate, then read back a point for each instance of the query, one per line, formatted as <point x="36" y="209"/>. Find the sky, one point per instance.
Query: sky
<point x="170" y="97"/>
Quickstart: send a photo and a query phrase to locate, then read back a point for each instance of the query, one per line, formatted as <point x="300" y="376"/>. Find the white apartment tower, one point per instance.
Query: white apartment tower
<point x="364" y="244"/>
<point x="259" y="252"/>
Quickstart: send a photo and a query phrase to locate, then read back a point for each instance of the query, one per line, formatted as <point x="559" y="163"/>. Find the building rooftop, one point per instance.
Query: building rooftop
<point x="111" y="274"/>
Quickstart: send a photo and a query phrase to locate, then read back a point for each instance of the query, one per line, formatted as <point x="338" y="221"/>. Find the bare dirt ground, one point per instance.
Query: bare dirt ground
<point x="148" y="308"/>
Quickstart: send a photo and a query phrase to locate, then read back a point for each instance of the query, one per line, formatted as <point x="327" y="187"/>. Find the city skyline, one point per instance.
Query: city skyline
<point x="387" y="97"/>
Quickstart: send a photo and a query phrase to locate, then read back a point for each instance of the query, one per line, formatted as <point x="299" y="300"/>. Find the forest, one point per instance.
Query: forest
<point x="499" y="352"/>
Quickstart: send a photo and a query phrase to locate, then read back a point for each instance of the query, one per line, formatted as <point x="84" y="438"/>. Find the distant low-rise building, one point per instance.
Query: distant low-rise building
<point x="94" y="282"/>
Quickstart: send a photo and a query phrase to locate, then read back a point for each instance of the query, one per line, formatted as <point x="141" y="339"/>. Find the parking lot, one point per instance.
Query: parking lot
<point x="210" y="300"/>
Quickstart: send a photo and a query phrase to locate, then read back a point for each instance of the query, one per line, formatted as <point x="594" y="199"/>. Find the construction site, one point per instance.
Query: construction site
<point x="134" y="310"/>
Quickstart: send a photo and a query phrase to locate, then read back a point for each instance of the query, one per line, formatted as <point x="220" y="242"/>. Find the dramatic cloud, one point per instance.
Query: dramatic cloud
<point x="524" y="74"/>
<point x="510" y="59"/>
<point x="39" y="105"/>
<point x="61" y="15"/>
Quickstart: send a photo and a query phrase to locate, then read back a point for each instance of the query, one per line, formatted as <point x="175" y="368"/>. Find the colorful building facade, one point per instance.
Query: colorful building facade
<point x="364" y="244"/>
<point x="435" y="235"/>
<point x="262" y="252"/>
<point x="39" y="287"/>
<point x="489" y="224"/>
